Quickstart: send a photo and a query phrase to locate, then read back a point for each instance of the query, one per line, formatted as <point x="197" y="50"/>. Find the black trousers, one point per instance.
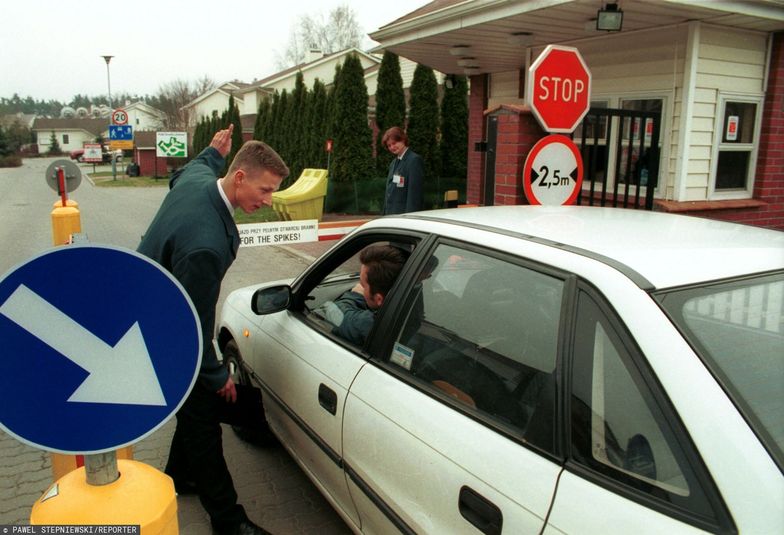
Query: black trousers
<point x="196" y="455"/>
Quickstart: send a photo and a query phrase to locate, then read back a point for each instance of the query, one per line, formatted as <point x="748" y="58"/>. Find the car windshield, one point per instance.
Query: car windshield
<point x="738" y="329"/>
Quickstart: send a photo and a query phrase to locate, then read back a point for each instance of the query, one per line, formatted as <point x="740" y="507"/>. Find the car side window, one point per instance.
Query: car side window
<point x="482" y="332"/>
<point x="618" y="427"/>
<point x="336" y="305"/>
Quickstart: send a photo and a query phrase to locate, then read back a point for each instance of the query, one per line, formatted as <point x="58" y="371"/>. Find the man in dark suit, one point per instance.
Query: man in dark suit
<point x="194" y="237"/>
<point x="405" y="180"/>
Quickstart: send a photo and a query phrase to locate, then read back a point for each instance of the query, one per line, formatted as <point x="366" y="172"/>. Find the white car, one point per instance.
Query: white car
<point x="534" y="370"/>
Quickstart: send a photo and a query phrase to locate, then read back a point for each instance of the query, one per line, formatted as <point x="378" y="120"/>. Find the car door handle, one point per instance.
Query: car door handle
<point x="328" y="398"/>
<point x="480" y="512"/>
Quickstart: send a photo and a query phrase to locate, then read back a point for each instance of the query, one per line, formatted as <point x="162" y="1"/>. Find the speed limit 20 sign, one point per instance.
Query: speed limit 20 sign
<point x="119" y="116"/>
<point x="553" y="172"/>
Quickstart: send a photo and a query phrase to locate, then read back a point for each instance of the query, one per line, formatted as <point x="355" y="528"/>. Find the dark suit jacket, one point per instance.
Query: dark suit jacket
<point x="194" y="237"/>
<point x="409" y="197"/>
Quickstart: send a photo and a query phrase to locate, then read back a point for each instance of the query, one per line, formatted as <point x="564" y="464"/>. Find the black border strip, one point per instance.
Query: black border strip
<point x="332" y="454"/>
<point x="399" y="523"/>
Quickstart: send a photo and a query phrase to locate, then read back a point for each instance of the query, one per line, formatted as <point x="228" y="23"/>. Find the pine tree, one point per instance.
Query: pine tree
<point x="390" y="105"/>
<point x="331" y="103"/>
<point x="54" y="146"/>
<point x="318" y="126"/>
<point x="232" y="116"/>
<point x="423" y="119"/>
<point x="298" y="127"/>
<point x="261" y="127"/>
<point x="353" y="138"/>
<point x="5" y="148"/>
<point x="454" y="129"/>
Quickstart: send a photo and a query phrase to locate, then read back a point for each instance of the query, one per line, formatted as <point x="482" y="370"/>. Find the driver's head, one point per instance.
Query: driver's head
<point x="381" y="264"/>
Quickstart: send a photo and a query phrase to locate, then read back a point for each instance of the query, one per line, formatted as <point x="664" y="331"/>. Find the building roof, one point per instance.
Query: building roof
<point x="292" y="71"/>
<point x="144" y="139"/>
<point x="25" y="119"/>
<point x="498" y="33"/>
<point x="93" y="126"/>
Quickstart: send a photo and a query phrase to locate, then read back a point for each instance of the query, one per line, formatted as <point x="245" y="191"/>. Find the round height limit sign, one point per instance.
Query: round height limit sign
<point x="553" y="172"/>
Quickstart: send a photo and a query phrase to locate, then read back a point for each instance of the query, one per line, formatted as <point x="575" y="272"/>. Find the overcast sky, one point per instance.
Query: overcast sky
<point x="51" y="49"/>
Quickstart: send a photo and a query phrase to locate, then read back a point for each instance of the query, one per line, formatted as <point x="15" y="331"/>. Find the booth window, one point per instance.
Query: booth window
<point x="736" y="155"/>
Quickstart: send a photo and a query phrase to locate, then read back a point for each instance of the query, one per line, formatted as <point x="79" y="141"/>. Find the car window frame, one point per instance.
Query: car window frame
<point x="724" y="522"/>
<point x="393" y="321"/>
<point x="341" y="252"/>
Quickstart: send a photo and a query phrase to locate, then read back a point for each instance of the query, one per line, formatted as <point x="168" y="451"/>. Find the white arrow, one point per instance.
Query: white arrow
<point x="121" y="374"/>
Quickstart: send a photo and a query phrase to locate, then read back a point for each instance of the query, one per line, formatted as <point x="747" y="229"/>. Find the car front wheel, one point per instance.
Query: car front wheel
<point x="259" y="434"/>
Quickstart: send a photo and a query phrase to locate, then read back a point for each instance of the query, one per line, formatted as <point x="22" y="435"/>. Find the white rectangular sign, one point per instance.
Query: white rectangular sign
<point x="171" y="144"/>
<point x="93" y="153"/>
<point x="278" y="232"/>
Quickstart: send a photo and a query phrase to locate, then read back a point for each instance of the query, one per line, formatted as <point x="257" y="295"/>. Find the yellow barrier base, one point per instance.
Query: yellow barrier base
<point x="65" y="221"/>
<point x="141" y="496"/>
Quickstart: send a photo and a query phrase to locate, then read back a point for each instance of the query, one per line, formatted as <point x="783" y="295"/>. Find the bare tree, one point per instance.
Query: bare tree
<point x="173" y="96"/>
<point x="329" y="33"/>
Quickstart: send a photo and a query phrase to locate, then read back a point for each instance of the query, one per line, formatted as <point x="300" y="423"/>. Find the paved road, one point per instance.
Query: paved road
<point x="272" y="488"/>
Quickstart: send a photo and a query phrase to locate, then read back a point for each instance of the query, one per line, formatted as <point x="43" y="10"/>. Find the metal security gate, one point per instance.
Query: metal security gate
<point x="620" y="151"/>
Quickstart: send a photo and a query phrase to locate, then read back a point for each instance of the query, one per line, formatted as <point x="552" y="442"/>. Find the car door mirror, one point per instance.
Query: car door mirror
<point x="270" y="300"/>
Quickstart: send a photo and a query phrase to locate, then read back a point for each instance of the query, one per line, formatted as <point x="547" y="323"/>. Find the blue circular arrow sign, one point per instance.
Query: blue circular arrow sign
<point x="100" y="346"/>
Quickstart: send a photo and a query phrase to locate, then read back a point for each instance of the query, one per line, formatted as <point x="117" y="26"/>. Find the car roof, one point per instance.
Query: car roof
<point x="667" y="250"/>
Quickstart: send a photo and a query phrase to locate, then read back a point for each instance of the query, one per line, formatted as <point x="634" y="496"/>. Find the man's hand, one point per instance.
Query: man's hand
<point x="229" y="391"/>
<point x="222" y="141"/>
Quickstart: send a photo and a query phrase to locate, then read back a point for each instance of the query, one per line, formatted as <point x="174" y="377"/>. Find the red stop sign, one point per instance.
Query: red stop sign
<point x="559" y="88"/>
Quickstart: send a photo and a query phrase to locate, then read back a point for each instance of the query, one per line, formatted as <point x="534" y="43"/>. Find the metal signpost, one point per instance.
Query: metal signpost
<point x="558" y="90"/>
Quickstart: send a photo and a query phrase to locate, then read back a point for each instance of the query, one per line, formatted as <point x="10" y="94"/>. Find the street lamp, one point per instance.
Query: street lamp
<point x="108" y="79"/>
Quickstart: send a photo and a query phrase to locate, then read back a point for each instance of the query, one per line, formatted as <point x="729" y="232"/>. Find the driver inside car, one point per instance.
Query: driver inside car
<point x="352" y="314"/>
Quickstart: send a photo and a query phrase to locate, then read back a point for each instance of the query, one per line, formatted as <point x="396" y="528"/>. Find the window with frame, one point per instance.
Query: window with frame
<point x="66" y="139"/>
<point x="483" y="332"/>
<point x="618" y="427"/>
<point x="335" y="303"/>
<point x="736" y="153"/>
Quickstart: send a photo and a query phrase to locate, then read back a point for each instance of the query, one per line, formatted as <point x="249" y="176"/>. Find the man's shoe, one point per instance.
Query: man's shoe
<point x="245" y="528"/>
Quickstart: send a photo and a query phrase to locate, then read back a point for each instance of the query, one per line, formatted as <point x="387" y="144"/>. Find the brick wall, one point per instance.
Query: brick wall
<point x="477" y="104"/>
<point x="518" y="132"/>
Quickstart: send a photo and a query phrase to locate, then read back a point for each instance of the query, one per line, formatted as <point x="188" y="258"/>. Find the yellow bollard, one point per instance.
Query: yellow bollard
<point x="141" y="496"/>
<point x="65" y="221"/>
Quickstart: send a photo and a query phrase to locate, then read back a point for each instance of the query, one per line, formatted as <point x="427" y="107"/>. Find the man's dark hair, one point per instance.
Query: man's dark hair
<point x="258" y="155"/>
<point x="394" y="134"/>
<point x="383" y="264"/>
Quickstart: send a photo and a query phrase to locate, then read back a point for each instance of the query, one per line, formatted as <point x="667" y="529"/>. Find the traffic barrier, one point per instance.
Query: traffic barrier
<point x="66" y="221"/>
<point x="141" y="495"/>
<point x="304" y="199"/>
<point x="334" y="230"/>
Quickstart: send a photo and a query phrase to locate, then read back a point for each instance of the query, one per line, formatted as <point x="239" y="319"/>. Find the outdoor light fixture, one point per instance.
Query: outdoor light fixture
<point x="520" y="38"/>
<point x="609" y="18"/>
<point x="459" y="50"/>
<point x="107" y="59"/>
<point x="467" y="62"/>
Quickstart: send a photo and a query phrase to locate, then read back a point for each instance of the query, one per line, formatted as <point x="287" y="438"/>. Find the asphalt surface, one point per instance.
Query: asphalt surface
<point x="274" y="491"/>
